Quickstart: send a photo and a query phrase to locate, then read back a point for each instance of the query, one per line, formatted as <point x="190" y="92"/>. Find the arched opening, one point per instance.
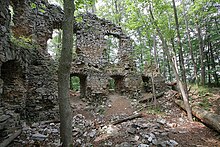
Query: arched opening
<point x="13" y="85"/>
<point x="78" y="84"/>
<point x="117" y="82"/>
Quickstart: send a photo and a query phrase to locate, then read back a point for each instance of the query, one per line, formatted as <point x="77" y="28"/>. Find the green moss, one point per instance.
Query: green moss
<point x="23" y="42"/>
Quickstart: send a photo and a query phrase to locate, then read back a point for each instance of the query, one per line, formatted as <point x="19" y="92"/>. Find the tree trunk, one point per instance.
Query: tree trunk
<point x="212" y="60"/>
<point x="190" y="46"/>
<point x="181" y="86"/>
<point x="202" y="78"/>
<point x="64" y="75"/>
<point x="155" y="51"/>
<point x="182" y="68"/>
<point x="208" y="65"/>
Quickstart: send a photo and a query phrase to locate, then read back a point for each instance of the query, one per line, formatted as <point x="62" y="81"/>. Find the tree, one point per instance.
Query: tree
<point x="167" y="52"/>
<point x="194" y="77"/>
<point x="64" y="75"/>
<point x="182" y="68"/>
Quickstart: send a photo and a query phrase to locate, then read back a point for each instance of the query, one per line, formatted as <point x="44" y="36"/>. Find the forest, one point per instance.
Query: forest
<point x="120" y="73"/>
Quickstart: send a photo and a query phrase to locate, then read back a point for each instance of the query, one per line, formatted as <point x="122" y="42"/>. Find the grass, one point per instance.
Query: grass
<point x="203" y="93"/>
<point x="205" y="104"/>
<point x="154" y="110"/>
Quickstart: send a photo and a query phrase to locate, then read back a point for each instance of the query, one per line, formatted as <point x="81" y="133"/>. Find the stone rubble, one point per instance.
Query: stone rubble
<point x="140" y="132"/>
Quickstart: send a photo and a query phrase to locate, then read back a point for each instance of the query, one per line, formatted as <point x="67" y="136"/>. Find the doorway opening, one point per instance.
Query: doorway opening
<point x="78" y="84"/>
<point x="147" y="84"/>
<point x="14" y="92"/>
<point x="117" y="83"/>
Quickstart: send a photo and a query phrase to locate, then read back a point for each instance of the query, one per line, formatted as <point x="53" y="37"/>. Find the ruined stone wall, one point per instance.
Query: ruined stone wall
<point x="35" y="20"/>
<point x="28" y="79"/>
<point x="151" y="71"/>
<point x="91" y="60"/>
<point x="91" y="41"/>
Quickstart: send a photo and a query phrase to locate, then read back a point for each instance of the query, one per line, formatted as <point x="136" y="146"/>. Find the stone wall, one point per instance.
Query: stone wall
<point x="91" y="59"/>
<point x="28" y="79"/>
<point x="35" y="20"/>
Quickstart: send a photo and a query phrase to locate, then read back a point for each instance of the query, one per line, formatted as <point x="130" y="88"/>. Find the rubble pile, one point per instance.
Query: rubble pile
<point x="150" y="130"/>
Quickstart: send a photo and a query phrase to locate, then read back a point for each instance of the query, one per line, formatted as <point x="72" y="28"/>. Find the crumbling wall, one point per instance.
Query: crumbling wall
<point x="35" y="20"/>
<point x="151" y="71"/>
<point x="91" y="59"/>
<point x="28" y="80"/>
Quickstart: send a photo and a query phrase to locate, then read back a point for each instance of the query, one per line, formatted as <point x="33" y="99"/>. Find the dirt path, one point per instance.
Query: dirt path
<point x="119" y="105"/>
<point x="172" y="122"/>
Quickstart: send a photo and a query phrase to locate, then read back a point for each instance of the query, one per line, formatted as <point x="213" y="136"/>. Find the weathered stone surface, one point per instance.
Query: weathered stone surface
<point x="28" y="81"/>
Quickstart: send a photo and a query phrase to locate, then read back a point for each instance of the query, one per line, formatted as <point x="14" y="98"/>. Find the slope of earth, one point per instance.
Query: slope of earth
<point x="141" y="125"/>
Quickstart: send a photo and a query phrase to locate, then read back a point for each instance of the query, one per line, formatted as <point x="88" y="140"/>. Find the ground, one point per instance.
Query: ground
<point x="165" y="125"/>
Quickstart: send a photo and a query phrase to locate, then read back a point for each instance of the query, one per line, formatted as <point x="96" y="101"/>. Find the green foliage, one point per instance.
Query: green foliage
<point x="79" y="19"/>
<point x="23" y="42"/>
<point x="82" y="4"/>
<point x="41" y="8"/>
<point x="75" y="83"/>
<point x="111" y="84"/>
<point x="33" y="6"/>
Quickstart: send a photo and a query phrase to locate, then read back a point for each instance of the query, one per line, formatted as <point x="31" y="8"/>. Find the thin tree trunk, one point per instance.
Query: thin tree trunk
<point x="181" y="86"/>
<point x="153" y="88"/>
<point x="212" y="60"/>
<point x="155" y="51"/>
<point x="190" y="45"/>
<point x="174" y="57"/>
<point x="64" y="75"/>
<point x="208" y="65"/>
<point x="142" y="51"/>
<point x="169" y="71"/>
<point x="201" y="50"/>
<point x="182" y="68"/>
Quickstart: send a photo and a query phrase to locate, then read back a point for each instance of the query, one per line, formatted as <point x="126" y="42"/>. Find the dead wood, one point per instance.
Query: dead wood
<point x="128" y="118"/>
<point x="151" y="97"/>
<point x="7" y="141"/>
<point x="208" y="118"/>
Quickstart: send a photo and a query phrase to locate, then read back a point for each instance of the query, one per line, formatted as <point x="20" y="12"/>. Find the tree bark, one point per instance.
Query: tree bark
<point x="64" y="75"/>
<point x="212" y="60"/>
<point x="181" y="86"/>
<point x="182" y="68"/>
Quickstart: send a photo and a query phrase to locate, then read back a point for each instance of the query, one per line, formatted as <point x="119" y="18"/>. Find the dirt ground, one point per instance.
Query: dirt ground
<point x="186" y="133"/>
<point x="163" y="126"/>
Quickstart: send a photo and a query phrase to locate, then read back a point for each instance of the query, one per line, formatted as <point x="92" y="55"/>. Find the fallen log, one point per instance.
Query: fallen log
<point x="127" y="118"/>
<point x="7" y="141"/>
<point x="210" y="119"/>
<point x="151" y="97"/>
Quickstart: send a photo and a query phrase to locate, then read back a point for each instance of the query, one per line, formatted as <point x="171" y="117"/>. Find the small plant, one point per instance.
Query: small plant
<point x="154" y="110"/>
<point x="205" y="103"/>
<point x="23" y="42"/>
